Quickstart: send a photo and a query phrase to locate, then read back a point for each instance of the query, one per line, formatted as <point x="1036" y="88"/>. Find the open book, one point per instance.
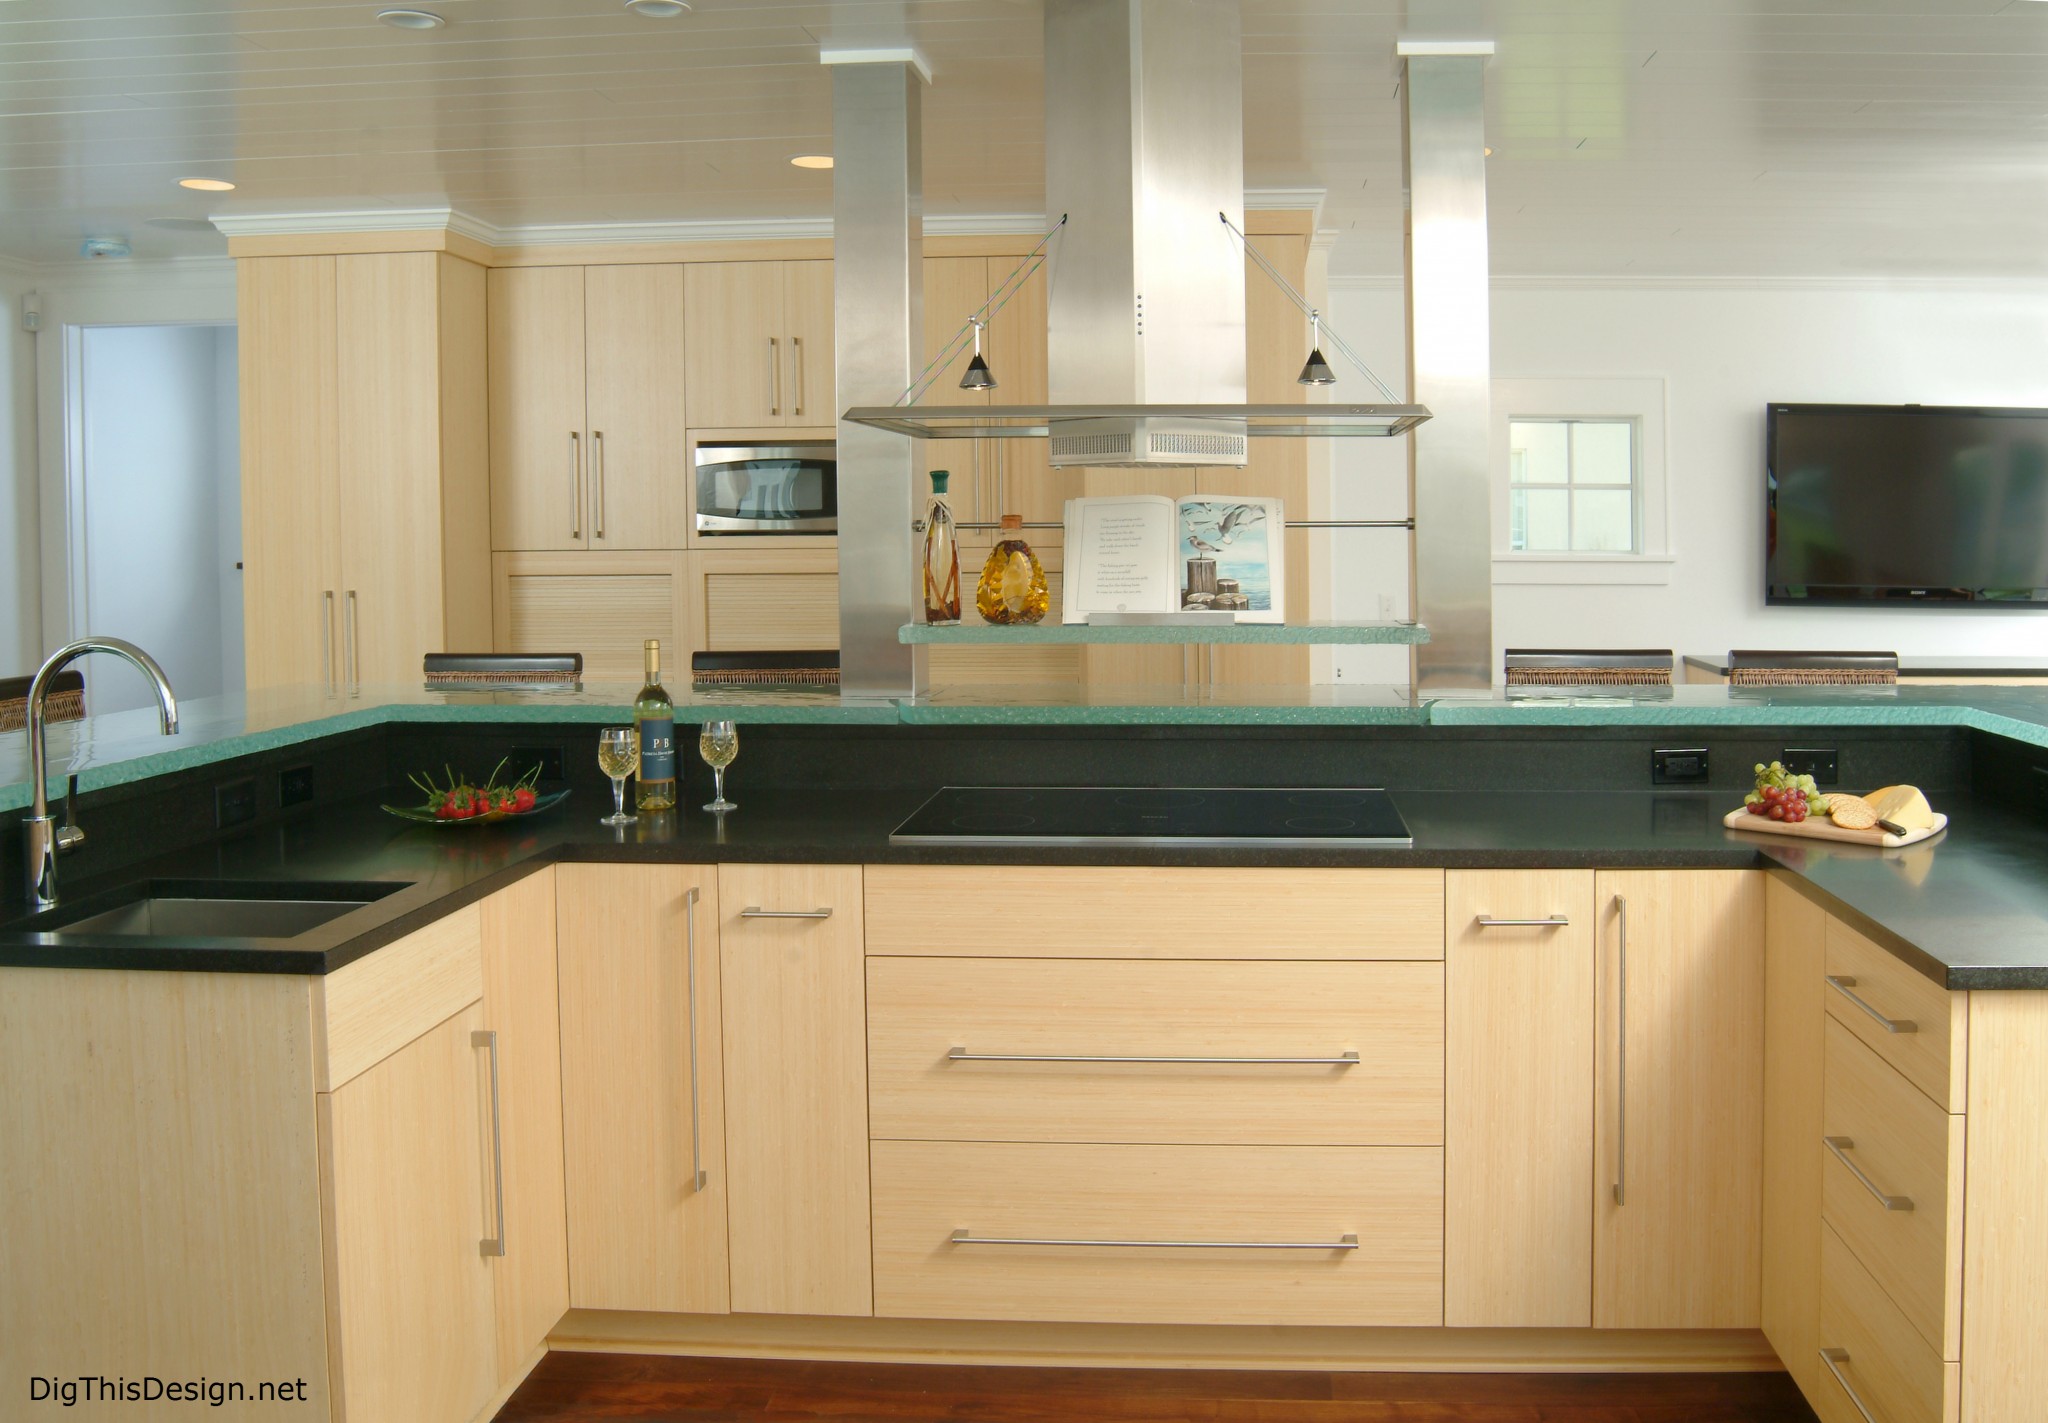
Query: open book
<point x="1146" y="553"/>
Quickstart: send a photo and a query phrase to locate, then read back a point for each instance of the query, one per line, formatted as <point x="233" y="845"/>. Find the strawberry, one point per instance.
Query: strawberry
<point x="523" y="799"/>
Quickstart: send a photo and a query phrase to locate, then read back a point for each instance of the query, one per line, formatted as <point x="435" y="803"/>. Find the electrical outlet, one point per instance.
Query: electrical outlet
<point x="294" y="786"/>
<point x="234" y="803"/>
<point x="1820" y="764"/>
<point x="1679" y="768"/>
<point x="522" y="759"/>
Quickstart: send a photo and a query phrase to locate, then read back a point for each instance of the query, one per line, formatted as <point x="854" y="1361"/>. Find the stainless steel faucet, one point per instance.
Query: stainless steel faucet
<point x="42" y="837"/>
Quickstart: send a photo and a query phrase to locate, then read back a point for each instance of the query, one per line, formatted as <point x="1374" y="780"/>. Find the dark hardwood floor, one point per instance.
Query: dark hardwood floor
<point x="634" y="1388"/>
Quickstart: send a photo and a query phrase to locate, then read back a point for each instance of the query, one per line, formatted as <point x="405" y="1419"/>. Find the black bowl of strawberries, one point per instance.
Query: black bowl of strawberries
<point x="461" y="802"/>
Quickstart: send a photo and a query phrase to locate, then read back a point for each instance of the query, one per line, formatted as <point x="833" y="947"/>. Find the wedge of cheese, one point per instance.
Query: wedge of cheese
<point x="1903" y="805"/>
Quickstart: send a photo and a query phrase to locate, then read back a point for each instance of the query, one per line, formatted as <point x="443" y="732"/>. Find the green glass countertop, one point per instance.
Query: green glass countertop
<point x="124" y="746"/>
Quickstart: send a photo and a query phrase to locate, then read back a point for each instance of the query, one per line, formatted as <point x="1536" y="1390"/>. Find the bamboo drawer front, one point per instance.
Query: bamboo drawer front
<point x="1904" y="1216"/>
<point x="1063" y="1210"/>
<point x="365" y="1011"/>
<point x="1881" y="1368"/>
<point x="958" y="1050"/>
<point x="1907" y="1018"/>
<point x="1154" y="912"/>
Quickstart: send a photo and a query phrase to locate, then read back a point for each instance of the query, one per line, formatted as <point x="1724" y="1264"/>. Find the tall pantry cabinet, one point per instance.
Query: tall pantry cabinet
<point x="365" y="489"/>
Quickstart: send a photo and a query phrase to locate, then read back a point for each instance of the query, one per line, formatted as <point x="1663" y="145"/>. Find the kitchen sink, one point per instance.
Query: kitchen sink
<point x="210" y="909"/>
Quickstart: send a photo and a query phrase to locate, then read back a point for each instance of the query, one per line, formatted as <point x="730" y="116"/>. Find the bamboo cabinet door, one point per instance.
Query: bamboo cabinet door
<point x="522" y="1011"/>
<point x="638" y="443"/>
<point x="1679" y="1115"/>
<point x="736" y="346"/>
<point x="642" y="1092"/>
<point x="1795" y="931"/>
<point x="1518" y="1133"/>
<point x="407" y="1196"/>
<point x="388" y="372"/>
<point x="811" y="382"/>
<point x="291" y="581"/>
<point x="539" y="466"/>
<point x="795" y="1001"/>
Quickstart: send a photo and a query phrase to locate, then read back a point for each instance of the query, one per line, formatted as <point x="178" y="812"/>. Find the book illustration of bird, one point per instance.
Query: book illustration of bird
<point x="1214" y="527"/>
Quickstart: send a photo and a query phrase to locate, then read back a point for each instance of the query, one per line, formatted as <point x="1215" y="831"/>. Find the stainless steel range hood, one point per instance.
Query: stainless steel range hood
<point x="1144" y="140"/>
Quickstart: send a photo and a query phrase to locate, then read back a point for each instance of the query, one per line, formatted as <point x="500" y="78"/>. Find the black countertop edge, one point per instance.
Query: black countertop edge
<point x="440" y="873"/>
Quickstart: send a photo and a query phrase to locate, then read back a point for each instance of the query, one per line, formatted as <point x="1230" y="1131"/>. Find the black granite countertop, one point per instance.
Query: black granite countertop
<point x="1969" y="908"/>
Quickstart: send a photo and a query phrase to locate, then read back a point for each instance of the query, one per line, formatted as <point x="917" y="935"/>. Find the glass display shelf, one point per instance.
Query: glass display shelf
<point x="979" y="634"/>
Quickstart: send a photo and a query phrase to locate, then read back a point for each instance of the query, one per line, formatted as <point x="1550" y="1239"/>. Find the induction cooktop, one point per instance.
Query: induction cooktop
<point x="1098" y="815"/>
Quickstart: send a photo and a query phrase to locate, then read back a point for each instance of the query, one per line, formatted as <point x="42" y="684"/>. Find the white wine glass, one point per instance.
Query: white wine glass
<point x="618" y="756"/>
<point x="719" y="744"/>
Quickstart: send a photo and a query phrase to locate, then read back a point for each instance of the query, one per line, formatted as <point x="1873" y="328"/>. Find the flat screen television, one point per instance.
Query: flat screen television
<point x="1904" y="504"/>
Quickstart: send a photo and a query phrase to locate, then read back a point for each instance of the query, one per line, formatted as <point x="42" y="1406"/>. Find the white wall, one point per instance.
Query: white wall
<point x="20" y="597"/>
<point x="155" y="493"/>
<point x="1723" y="351"/>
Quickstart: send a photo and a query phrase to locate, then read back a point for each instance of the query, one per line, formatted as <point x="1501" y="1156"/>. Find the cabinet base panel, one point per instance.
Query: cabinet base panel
<point x="763" y="1336"/>
<point x="510" y="1386"/>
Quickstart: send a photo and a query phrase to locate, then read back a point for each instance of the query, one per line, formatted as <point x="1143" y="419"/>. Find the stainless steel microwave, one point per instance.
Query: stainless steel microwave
<point x="789" y="488"/>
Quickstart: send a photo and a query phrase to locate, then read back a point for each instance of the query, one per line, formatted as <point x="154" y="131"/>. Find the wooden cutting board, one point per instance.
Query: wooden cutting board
<point x="1821" y="828"/>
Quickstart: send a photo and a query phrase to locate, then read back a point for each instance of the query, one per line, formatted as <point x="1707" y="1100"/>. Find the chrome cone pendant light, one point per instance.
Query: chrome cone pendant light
<point x="1315" y="370"/>
<point x="977" y="376"/>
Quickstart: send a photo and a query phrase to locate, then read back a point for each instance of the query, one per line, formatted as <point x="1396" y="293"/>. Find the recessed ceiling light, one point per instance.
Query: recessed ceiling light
<point x="1489" y="153"/>
<point x="659" y="9"/>
<point x="812" y="160"/>
<point x="411" y="19"/>
<point x="207" y="185"/>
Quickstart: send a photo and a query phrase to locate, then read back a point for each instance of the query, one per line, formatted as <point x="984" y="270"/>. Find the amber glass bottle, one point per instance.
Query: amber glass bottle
<point x="1012" y="587"/>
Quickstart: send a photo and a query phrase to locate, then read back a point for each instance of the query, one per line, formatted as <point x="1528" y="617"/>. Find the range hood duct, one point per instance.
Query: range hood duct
<point x="1144" y="146"/>
<point x="1144" y="159"/>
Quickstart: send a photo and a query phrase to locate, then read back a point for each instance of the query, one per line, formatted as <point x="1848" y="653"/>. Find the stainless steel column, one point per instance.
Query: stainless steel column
<point x="878" y="338"/>
<point x="1443" y="115"/>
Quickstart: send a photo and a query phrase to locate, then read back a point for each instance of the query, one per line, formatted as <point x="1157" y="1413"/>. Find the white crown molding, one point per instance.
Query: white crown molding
<point x="546" y="234"/>
<point x="1415" y="49"/>
<point x="1354" y="281"/>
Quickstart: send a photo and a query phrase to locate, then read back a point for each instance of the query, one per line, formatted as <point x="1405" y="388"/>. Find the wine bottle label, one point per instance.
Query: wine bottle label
<point x="657" y="749"/>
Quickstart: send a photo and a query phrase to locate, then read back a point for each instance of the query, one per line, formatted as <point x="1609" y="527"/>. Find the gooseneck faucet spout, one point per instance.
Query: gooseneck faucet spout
<point x="40" y="837"/>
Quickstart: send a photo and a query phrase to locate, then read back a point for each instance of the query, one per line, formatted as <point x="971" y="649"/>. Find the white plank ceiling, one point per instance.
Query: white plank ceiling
<point x="1651" y="137"/>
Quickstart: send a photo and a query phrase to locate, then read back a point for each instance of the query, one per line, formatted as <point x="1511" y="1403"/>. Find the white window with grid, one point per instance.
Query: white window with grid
<point x="1579" y="481"/>
<point x="1571" y="484"/>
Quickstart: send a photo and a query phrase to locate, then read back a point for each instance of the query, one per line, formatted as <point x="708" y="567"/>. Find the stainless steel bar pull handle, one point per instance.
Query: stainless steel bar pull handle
<point x="1621" y="1060"/>
<point x="1548" y="921"/>
<point x="1834" y="1359"/>
<point x="327" y="638"/>
<point x="489" y="1039"/>
<point x="755" y="911"/>
<point x="1841" y="1146"/>
<point x="1346" y="1241"/>
<point x="774" y="378"/>
<point x="597" y="481"/>
<point x="1842" y="984"/>
<point x="796" y="345"/>
<point x="697" y="1176"/>
<point x="349" y="642"/>
<point x="575" y="485"/>
<point x="1342" y="1059"/>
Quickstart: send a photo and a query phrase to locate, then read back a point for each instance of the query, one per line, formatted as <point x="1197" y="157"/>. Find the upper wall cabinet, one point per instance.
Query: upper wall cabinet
<point x="588" y="431"/>
<point x="760" y="344"/>
<point x="364" y="525"/>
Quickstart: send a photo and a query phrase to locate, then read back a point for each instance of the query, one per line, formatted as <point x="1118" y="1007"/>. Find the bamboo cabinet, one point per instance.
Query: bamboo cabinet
<point x="1678" y="1133"/>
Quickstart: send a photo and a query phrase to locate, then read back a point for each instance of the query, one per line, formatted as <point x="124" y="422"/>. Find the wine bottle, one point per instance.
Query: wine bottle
<point x="654" y="717"/>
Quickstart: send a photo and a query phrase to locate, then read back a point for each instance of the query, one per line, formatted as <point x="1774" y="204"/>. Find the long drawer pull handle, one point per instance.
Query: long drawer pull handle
<point x="1841" y="1146"/>
<point x="697" y="1176"/>
<point x="1842" y="984"/>
<point x="755" y="911"/>
<point x="1834" y="1359"/>
<point x="1548" y="921"/>
<point x="1346" y="1241"/>
<point x="489" y="1039"/>
<point x="961" y="1054"/>
<point x="1621" y="1057"/>
<point x="575" y="485"/>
